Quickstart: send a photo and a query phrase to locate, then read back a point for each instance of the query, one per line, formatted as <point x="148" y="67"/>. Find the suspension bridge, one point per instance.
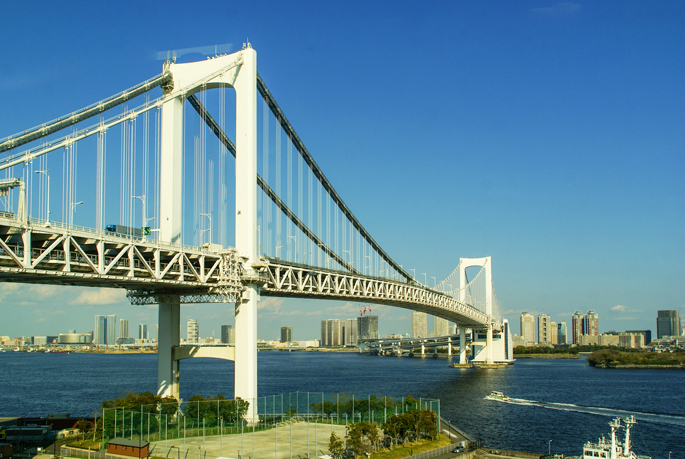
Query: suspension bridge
<point x="138" y="199"/>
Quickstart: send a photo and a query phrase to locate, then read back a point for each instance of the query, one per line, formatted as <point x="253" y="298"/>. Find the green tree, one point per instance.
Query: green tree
<point x="362" y="437"/>
<point x="336" y="446"/>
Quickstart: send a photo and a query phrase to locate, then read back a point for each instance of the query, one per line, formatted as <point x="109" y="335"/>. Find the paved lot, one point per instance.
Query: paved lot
<point x="306" y="439"/>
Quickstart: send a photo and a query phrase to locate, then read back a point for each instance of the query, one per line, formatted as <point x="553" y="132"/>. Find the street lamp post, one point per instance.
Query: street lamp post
<point x="47" y="209"/>
<point x="413" y="273"/>
<point x="144" y="219"/>
<point x="209" y="216"/>
<point x="369" y="266"/>
<point x="435" y="282"/>
<point x="71" y="216"/>
<point x="425" y="279"/>
<point x="277" y="248"/>
<point x="549" y="448"/>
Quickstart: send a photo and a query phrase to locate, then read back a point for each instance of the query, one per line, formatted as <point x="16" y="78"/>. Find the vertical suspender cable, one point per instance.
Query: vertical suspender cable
<point x="278" y="189"/>
<point x="266" y="208"/>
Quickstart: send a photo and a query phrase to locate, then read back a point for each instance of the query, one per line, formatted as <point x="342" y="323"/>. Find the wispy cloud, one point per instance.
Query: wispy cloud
<point x="619" y="308"/>
<point x="100" y="296"/>
<point x="560" y="9"/>
<point x="273" y="307"/>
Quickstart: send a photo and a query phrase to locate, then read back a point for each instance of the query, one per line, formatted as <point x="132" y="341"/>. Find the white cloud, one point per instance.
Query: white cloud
<point x="619" y="308"/>
<point x="272" y="306"/>
<point x="100" y="296"/>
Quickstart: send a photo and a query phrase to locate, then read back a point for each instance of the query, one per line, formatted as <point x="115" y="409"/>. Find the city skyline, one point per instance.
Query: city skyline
<point x="567" y="117"/>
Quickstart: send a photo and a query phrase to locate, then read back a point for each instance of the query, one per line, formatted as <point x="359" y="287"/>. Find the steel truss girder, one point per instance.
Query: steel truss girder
<point x="308" y="282"/>
<point x="34" y="253"/>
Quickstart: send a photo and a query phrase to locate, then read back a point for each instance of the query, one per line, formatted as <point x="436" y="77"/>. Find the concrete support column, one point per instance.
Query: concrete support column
<point x="449" y="347"/>
<point x="488" y="346"/>
<point x="423" y="350"/>
<point x="169" y="336"/>
<point x="462" y="345"/>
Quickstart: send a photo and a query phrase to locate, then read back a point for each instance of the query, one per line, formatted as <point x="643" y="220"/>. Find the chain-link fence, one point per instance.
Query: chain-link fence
<point x="278" y="426"/>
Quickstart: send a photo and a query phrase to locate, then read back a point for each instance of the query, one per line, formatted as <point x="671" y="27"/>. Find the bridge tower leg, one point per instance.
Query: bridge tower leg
<point x="169" y="336"/>
<point x="462" y="345"/>
<point x="487" y="263"/>
<point x="246" y="229"/>
<point x="449" y="347"/>
<point x="170" y="206"/>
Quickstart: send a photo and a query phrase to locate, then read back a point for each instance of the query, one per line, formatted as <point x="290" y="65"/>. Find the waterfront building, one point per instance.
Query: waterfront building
<point x="350" y="332"/>
<point x="74" y="338"/>
<point x="227" y="334"/>
<point x="105" y="331"/>
<point x="527" y="328"/>
<point x="561" y="333"/>
<point x="591" y="323"/>
<point x="544" y="335"/>
<point x="647" y="334"/>
<point x="40" y="340"/>
<point x="631" y="340"/>
<point x="667" y="323"/>
<point x="440" y="326"/>
<point x="142" y="331"/>
<point x="553" y="332"/>
<point x="419" y="324"/>
<point x="192" y="331"/>
<point x="331" y="333"/>
<point x="286" y="334"/>
<point x="368" y="327"/>
<point x="123" y="328"/>
<point x="577" y="326"/>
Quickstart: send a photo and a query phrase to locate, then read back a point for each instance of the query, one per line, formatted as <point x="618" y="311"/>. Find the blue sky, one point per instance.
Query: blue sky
<point x="548" y="135"/>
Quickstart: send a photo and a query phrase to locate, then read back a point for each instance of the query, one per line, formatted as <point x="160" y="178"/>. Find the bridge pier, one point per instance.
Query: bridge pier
<point x="462" y="345"/>
<point x="169" y="336"/>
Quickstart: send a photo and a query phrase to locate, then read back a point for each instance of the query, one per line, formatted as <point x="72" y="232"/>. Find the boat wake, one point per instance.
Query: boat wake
<point x="610" y="412"/>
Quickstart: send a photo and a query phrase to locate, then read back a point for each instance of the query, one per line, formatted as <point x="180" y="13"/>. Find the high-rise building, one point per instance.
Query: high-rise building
<point x="331" y="333"/>
<point x="577" y="329"/>
<point x="142" y="331"/>
<point x="156" y="333"/>
<point x="368" y="327"/>
<point x="440" y="326"/>
<point x="591" y="323"/>
<point x="193" y="331"/>
<point x="350" y="330"/>
<point x="667" y="323"/>
<point x="419" y="324"/>
<point x="562" y="333"/>
<point x="553" y="332"/>
<point x="286" y="334"/>
<point x="105" y="331"/>
<point x="544" y="332"/>
<point x="528" y="328"/>
<point x="227" y="334"/>
<point x="123" y="328"/>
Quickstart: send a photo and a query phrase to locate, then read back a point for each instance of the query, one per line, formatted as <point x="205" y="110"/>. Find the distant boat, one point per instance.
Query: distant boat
<point x="495" y="395"/>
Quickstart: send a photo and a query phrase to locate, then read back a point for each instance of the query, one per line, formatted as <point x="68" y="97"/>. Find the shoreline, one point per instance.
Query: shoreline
<point x="547" y="356"/>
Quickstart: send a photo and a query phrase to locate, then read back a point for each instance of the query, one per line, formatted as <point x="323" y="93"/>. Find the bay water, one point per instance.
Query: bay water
<point x="565" y="401"/>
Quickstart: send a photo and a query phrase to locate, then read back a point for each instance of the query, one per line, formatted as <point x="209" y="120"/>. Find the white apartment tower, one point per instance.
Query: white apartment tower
<point x="440" y="326"/>
<point x="544" y="329"/>
<point x="193" y="334"/>
<point x="528" y="329"/>
<point x="419" y="325"/>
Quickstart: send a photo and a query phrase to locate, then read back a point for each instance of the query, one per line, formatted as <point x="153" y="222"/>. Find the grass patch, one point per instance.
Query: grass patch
<point x="420" y="446"/>
<point x="84" y="444"/>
